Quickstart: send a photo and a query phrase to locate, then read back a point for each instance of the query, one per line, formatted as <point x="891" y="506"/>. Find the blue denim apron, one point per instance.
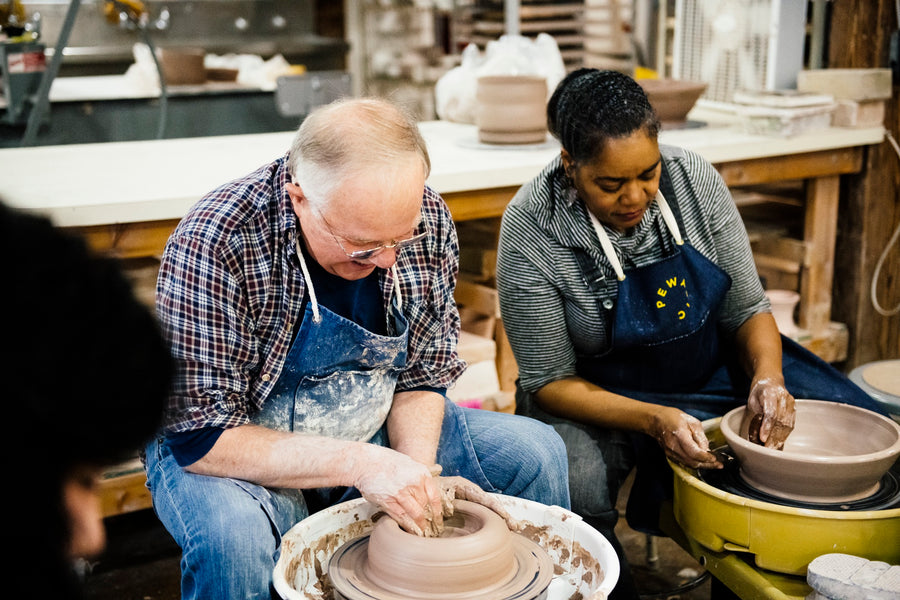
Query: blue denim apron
<point x="664" y="332"/>
<point x="664" y="339"/>
<point x="338" y="381"/>
<point x="666" y="350"/>
<point x="338" y="378"/>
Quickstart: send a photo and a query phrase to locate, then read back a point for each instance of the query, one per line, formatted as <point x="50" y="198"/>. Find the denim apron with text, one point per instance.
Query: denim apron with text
<point x="664" y="339"/>
<point x="664" y="335"/>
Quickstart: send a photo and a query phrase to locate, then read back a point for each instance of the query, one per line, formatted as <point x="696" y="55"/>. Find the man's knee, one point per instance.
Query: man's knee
<point x="232" y="555"/>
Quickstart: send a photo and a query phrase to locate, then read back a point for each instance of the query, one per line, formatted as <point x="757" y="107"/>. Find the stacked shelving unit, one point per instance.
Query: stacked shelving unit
<point x="482" y="21"/>
<point x="608" y="31"/>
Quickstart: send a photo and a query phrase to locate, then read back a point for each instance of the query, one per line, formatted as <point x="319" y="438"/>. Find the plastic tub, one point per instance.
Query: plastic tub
<point x="586" y="565"/>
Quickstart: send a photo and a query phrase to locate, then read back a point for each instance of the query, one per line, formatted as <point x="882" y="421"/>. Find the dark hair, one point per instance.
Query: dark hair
<point x="86" y="374"/>
<point x="590" y="106"/>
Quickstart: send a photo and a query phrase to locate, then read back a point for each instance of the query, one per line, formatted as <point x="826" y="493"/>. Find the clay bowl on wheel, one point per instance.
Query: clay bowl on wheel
<point x="476" y="558"/>
<point x="836" y="453"/>
<point x="672" y="99"/>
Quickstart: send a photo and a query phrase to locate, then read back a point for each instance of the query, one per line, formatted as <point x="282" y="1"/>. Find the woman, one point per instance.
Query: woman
<point x="634" y="309"/>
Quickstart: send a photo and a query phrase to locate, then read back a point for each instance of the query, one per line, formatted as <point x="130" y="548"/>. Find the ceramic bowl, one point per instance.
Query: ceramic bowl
<point x="672" y="99"/>
<point x="836" y="453"/>
<point x="511" y="109"/>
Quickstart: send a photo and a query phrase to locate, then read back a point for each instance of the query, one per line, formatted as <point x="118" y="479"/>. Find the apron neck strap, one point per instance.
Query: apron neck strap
<point x="606" y="243"/>
<point x="314" y="304"/>
<point x="610" y="251"/>
<point x="317" y="317"/>
<point x="669" y="218"/>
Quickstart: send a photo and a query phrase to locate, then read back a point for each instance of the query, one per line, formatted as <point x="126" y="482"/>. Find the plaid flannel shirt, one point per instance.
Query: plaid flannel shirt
<point x="230" y="292"/>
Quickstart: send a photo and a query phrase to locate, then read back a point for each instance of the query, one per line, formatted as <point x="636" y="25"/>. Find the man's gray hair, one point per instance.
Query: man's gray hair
<point x="347" y="137"/>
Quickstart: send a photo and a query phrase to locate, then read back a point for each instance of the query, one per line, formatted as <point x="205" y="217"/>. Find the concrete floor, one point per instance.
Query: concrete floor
<point x="142" y="563"/>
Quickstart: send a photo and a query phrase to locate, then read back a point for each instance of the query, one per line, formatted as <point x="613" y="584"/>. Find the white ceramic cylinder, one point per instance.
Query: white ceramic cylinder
<point x="783" y="304"/>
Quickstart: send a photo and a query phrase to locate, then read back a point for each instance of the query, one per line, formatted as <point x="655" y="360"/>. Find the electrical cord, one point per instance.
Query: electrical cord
<point x="881" y="310"/>
<point x="163" y="90"/>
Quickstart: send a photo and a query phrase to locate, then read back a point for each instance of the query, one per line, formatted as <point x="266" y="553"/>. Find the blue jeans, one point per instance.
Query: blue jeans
<point x="230" y="530"/>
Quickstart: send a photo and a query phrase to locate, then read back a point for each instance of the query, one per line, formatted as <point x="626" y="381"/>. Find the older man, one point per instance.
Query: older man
<point x="310" y="306"/>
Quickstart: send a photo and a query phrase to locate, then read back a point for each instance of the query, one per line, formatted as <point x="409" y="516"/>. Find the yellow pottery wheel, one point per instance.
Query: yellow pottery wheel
<point x="780" y="538"/>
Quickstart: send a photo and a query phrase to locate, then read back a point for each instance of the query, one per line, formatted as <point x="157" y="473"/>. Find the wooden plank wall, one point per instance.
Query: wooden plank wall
<point x="870" y="201"/>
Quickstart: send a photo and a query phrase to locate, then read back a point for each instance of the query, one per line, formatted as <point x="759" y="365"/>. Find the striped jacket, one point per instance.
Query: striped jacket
<point x="548" y="311"/>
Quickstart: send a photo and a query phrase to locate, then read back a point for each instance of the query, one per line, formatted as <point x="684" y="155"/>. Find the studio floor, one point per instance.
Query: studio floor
<point x="141" y="563"/>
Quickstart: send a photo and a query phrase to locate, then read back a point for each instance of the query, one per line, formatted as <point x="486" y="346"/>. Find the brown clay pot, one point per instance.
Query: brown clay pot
<point x="182" y="66"/>
<point x="476" y="558"/>
<point x="672" y="99"/>
<point x="511" y="109"/>
<point x="475" y="552"/>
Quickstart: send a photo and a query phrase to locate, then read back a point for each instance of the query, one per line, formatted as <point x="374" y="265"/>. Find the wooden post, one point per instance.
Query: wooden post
<point x="870" y="207"/>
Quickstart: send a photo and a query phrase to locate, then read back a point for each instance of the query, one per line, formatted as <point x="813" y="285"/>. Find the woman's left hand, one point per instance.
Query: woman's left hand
<point x="682" y="438"/>
<point x="770" y="412"/>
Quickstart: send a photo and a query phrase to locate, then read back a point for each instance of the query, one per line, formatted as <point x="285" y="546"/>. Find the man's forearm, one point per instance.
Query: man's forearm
<point x="414" y="424"/>
<point x="282" y="459"/>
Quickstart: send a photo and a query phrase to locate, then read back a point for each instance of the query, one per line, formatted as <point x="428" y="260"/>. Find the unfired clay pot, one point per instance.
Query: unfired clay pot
<point x="672" y="99"/>
<point x="836" y="453"/>
<point x="183" y="66"/>
<point x="511" y="109"/>
<point x="783" y="304"/>
<point x="477" y="557"/>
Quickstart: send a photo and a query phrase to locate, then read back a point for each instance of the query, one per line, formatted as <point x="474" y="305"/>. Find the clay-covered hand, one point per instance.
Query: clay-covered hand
<point x="769" y="418"/>
<point x="405" y="489"/>
<point x="453" y="488"/>
<point x="682" y="438"/>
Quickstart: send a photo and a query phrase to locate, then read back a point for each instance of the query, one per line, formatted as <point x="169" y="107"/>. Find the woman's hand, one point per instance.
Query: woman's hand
<point x="769" y="418"/>
<point x="683" y="439"/>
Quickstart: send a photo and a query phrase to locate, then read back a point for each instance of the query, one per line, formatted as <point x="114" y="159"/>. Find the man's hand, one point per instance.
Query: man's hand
<point x="453" y="488"/>
<point x="405" y="489"/>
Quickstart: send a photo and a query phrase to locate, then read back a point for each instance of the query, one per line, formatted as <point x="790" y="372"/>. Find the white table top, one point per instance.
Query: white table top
<point x="124" y="182"/>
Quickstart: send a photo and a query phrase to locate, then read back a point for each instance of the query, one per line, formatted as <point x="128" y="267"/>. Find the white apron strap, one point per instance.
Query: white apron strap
<point x="317" y="318"/>
<point x="610" y="251"/>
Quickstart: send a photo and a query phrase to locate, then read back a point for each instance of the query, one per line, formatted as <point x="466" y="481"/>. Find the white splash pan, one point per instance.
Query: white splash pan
<point x="585" y="564"/>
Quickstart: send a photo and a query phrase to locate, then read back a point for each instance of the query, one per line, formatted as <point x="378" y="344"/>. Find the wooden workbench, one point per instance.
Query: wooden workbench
<point x="126" y="197"/>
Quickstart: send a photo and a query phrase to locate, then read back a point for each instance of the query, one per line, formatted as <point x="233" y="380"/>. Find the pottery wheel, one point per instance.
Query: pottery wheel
<point x="730" y="479"/>
<point x="352" y="578"/>
<point x="884" y="376"/>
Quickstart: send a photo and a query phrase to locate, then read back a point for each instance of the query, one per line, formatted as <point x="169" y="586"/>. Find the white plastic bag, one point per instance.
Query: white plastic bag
<point x="510" y="55"/>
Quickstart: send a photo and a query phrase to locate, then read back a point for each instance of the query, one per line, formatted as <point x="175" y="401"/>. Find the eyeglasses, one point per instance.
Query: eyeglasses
<point x="373" y="252"/>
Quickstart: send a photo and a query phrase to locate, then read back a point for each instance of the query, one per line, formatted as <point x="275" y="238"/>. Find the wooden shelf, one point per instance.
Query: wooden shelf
<point x="564" y="21"/>
<point x="123" y="489"/>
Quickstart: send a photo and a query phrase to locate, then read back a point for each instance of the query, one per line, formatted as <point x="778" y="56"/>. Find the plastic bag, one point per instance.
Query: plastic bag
<point x="510" y="55"/>
<point x="253" y="71"/>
